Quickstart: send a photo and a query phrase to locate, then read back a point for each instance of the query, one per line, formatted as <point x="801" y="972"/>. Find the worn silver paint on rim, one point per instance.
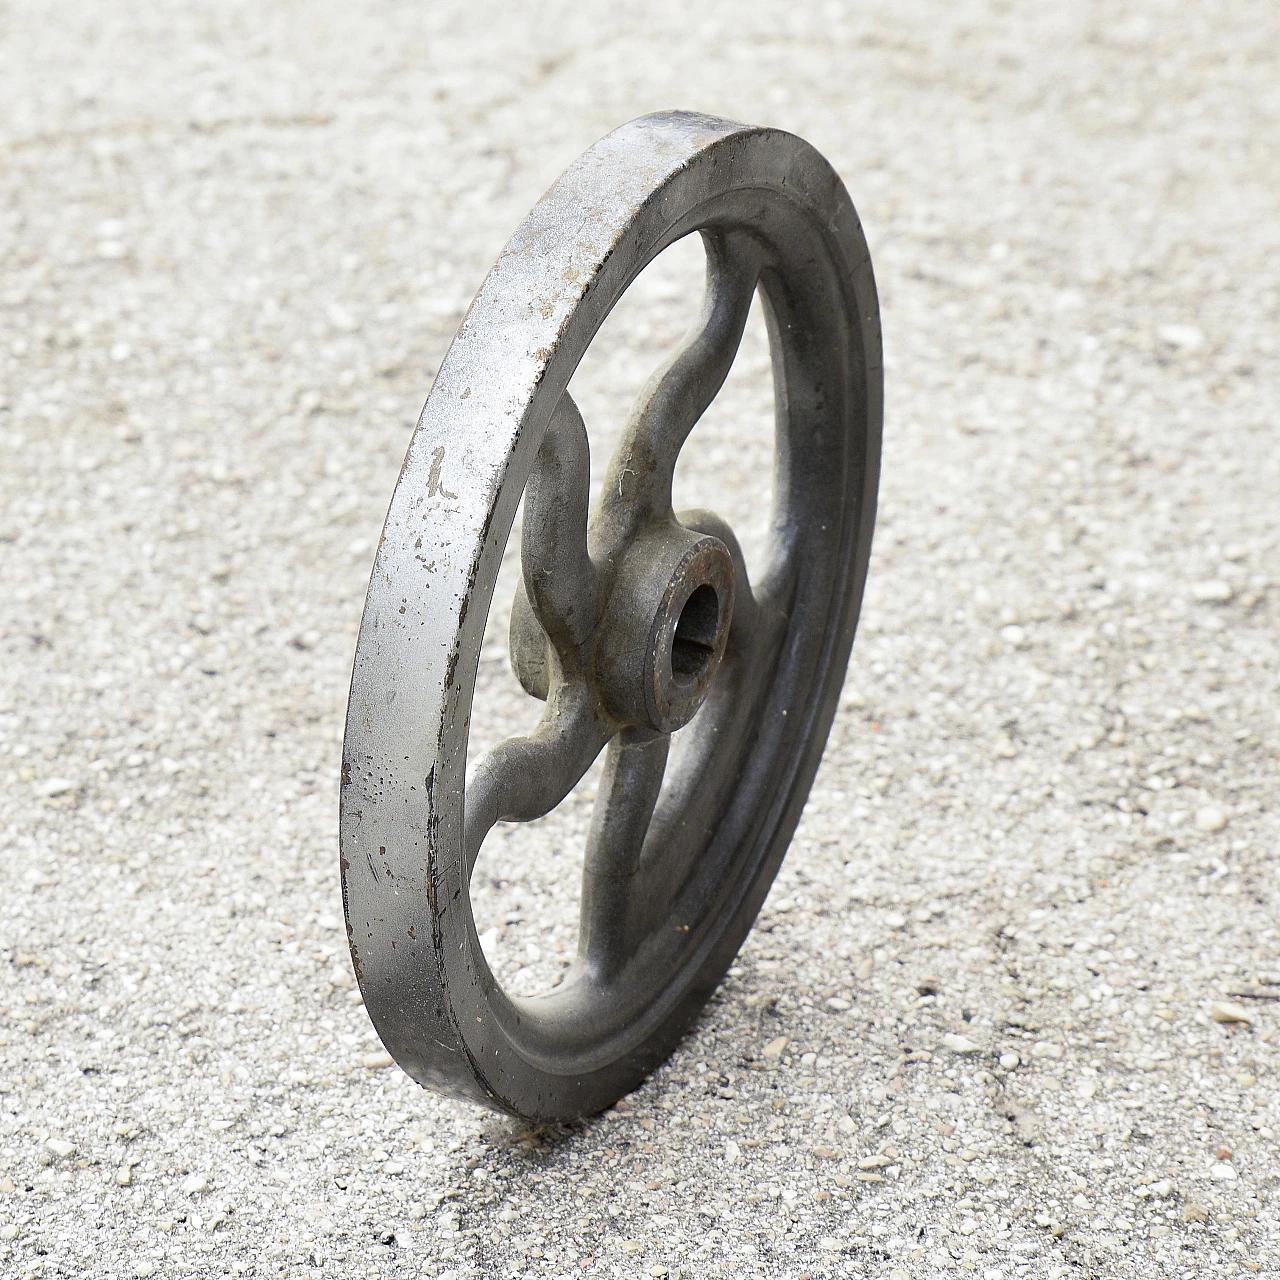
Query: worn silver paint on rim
<point x="628" y="629"/>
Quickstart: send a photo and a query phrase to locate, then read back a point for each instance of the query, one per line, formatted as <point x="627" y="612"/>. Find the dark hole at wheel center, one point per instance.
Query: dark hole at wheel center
<point x="694" y="643"/>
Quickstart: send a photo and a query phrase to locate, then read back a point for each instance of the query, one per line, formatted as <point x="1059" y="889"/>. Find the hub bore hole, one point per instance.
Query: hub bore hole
<point x="694" y="642"/>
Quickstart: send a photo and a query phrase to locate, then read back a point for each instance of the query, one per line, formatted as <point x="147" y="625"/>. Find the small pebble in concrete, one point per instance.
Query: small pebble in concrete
<point x="1210" y="817"/>
<point x="1226" y="1011"/>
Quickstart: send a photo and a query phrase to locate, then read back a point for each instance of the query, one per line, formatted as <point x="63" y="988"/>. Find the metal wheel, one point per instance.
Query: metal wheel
<point x="631" y="622"/>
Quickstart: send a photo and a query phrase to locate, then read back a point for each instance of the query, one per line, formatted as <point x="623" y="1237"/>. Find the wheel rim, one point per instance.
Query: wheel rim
<point x="629" y="630"/>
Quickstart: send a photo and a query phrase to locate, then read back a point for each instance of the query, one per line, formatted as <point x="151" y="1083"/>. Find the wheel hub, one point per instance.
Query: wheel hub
<point x="664" y="628"/>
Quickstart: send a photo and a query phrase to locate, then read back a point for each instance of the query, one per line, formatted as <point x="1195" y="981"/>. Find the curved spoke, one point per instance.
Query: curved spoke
<point x="561" y="581"/>
<point x="633" y="771"/>
<point x="524" y="778"/>
<point x="637" y="489"/>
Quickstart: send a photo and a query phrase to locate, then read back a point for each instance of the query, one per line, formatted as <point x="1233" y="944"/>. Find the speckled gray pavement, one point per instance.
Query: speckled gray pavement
<point x="990" y="1021"/>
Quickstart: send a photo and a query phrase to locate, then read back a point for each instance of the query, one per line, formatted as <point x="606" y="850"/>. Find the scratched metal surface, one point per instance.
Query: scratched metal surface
<point x="235" y="245"/>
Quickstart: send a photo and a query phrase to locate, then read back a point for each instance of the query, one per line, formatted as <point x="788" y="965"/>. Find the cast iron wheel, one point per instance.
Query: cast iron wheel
<point x="631" y="621"/>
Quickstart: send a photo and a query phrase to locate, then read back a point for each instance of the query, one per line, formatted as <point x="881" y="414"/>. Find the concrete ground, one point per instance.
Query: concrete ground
<point x="1011" y="1008"/>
